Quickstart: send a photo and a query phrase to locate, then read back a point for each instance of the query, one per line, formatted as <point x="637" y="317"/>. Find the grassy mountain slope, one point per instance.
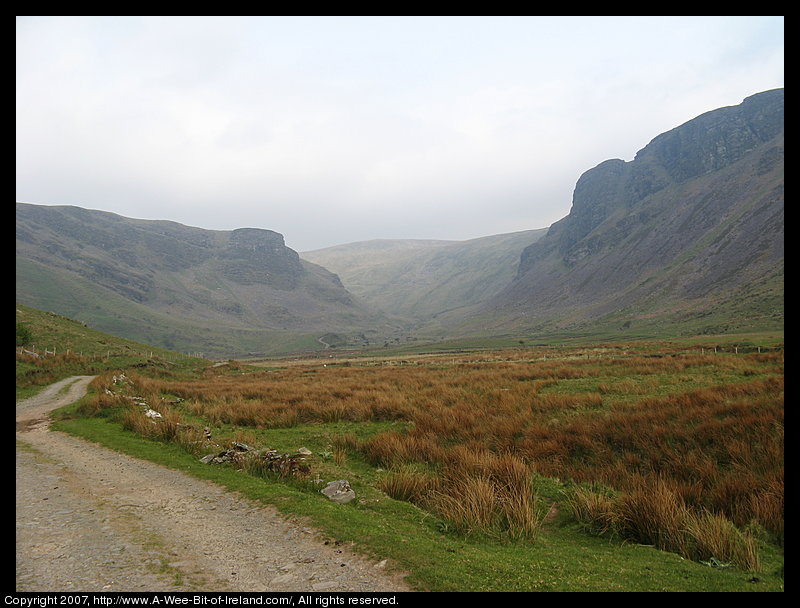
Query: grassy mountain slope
<point x="220" y="292"/>
<point x="55" y="347"/>
<point x="426" y="280"/>
<point x="687" y="237"/>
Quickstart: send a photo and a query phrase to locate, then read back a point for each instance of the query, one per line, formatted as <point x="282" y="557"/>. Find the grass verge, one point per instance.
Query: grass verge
<point x="562" y="557"/>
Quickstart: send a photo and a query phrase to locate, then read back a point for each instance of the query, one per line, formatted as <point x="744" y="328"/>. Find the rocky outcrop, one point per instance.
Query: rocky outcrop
<point x="176" y="286"/>
<point x="254" y="256"/>
<point x="692" y="227"/>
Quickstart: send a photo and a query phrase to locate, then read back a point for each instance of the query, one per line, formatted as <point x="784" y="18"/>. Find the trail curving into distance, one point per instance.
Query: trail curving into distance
<point x="91" y="519"/>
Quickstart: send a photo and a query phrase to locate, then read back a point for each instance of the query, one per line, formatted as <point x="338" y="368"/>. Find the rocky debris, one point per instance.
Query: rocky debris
<point x="283" y="465"/>
<point x="152" y="414"/>
<point x="339" y="491"/>
<point x="120" y="379"/>
<point x="232" y="454"/>
<point x="286" y="464"/>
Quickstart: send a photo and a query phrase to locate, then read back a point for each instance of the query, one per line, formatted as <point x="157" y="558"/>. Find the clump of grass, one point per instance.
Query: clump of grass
<point x="468" y="504"/>
<point x="471" y="504"/>
<point x="481" y="491"/>
<point x="521" y="516"/>
<point x="392" y="449"/>
<point x="170" y="428"/>
<point x="594" y="510"/>
<point x="100" y="403"/>
<point x="654" y="514"/>
<point x="714" y="536"/>
<point x="409" y="484"/>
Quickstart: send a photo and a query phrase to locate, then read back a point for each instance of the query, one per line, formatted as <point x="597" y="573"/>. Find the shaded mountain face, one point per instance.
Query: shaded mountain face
<point x="121" y="272"/>
<point x="427" y="282"/>
<point x="686" y="238"/>
<point x="688" y="234"/>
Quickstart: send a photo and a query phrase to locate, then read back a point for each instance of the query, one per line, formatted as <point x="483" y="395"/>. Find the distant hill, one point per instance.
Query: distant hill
<point x="687" y="237"/>
<point x="423" y="280"/>
<point x="179" y="287"/>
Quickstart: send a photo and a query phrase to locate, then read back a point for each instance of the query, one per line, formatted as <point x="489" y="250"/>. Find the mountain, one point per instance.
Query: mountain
<point x="687" y="237"/>
<point x="425" y="281"/>
<point x="185" y="288"/>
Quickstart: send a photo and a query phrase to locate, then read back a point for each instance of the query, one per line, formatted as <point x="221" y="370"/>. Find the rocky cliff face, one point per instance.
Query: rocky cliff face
<point x="253" y="256"/>
<point x="716" y="139"/>
<point x="695" y="219"/>
<point x="243" y="279"/>
<point x="126" y="255"/>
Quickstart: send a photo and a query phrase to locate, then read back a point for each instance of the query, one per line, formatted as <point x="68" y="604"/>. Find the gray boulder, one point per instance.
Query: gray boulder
<point x="339" y="491"/>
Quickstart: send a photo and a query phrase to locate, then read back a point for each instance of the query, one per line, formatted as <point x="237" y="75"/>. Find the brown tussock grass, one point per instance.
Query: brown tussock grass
<point x="704" y="430"/>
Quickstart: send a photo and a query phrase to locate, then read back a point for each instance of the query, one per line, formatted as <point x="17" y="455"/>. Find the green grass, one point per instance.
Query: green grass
<point x="110" y="312"/>
<point x="81" y="350"/>
<point x="562" y="558"/>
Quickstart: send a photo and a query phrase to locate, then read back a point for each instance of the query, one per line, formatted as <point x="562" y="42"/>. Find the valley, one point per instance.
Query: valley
<point x="427" y="283"/>
<point x="558" y="468"/>
<point x="593" y="406"/>
<point x="685" y="239"/>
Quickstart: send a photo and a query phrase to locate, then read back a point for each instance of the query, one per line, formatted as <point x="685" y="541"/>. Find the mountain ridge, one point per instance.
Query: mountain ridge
<point x="240" y="280"/>
<point x="685" y="238"/>
<point x="670" y="235"/>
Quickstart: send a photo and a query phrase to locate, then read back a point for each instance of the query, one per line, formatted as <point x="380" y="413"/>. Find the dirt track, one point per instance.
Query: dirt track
<point x="90" y="519"/>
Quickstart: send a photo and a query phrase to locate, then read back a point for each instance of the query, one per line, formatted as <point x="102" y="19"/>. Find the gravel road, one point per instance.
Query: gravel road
<point x="91" y="519"/>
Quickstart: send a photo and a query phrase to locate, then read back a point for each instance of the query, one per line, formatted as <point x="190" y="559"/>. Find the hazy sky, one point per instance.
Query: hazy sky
<point x="331" y="130"/>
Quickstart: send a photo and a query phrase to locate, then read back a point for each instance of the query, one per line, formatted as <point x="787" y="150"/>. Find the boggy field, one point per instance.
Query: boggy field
<point x="679" y="446"/>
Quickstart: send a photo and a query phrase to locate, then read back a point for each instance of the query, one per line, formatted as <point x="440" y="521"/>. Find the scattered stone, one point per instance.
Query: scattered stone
<point x="339" y="491"/>
<point x="271" y="460"/>
<point x="152" y="414"/>
<point x="304" y="452"/>
<point x="286" y="464"/>
<point x="221" y="457"/>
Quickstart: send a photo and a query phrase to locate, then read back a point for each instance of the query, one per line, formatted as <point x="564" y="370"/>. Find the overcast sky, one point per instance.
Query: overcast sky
<point x="332" y="130"/>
